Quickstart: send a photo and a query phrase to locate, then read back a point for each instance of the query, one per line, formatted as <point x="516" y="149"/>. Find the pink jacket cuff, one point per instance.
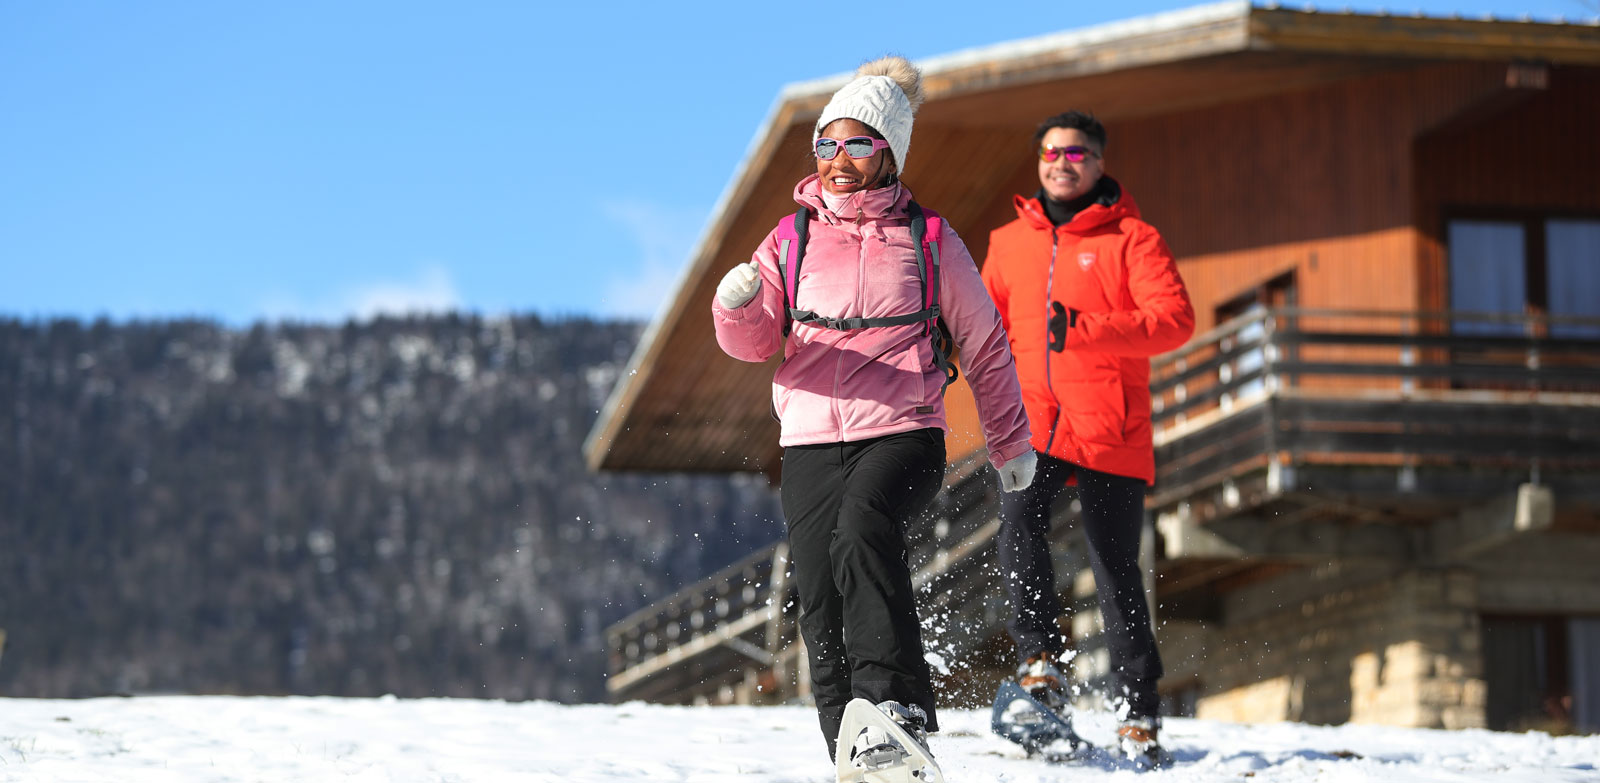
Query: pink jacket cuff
<point x="1001" y="456"/>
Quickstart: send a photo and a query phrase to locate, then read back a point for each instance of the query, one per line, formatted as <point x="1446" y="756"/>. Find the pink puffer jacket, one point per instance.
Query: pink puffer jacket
<point x="838" y="386"/>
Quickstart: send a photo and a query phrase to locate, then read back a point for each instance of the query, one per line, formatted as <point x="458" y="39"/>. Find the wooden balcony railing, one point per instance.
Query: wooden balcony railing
<point x="1276" y="392"/>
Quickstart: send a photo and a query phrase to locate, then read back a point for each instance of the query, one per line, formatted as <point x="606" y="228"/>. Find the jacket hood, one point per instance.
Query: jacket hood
<point x="886" y="202"/>
<point x="1113" y="204"/>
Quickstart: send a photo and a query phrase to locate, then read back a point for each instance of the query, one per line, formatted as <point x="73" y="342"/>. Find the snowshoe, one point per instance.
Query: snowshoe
<point x="1041" y="729"/>
<point x="886" y="744"/>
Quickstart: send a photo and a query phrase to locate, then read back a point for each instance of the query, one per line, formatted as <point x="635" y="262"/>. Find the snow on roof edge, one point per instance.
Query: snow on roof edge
<point x="1166" y="21"/>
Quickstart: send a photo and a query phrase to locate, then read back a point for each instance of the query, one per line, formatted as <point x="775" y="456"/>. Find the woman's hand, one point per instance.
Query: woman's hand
<point x="1017" y="473"/>
<point x="739" y="286"/>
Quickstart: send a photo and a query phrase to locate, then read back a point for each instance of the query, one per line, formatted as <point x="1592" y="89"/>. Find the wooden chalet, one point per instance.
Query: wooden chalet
<point x="1379" y="458"/>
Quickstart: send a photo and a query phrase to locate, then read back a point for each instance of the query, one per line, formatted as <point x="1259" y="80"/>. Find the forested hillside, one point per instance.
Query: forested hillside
<point x="397" y="506"/>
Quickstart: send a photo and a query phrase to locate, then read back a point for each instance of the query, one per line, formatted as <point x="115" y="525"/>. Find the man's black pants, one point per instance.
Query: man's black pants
<point x="1113" y="516"/>
<point x="846" y="506"/>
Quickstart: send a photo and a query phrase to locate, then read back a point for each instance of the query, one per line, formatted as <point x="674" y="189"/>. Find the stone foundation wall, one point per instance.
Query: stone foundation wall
<point x="1336" y="644"/>
<point x="1329" y="644"/>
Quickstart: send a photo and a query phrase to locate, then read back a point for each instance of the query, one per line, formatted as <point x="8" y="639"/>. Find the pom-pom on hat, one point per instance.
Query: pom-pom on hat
<point x="884" y="95"/>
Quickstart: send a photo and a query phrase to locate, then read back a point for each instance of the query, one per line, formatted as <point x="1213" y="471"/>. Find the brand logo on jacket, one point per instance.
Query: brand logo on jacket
<point x="1085" y="260"/>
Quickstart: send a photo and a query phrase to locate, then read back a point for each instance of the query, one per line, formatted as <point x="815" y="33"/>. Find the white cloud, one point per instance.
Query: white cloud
<point x="664" y="236"/>
<point x="431" y="290"/>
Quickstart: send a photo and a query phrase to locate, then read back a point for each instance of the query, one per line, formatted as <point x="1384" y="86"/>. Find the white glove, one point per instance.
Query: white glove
<point x="1017" y="473"/>
<point x="738" y="286"/>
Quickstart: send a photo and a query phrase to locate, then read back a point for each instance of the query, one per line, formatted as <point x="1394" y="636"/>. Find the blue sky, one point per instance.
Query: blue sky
<point x="318" y="161"/>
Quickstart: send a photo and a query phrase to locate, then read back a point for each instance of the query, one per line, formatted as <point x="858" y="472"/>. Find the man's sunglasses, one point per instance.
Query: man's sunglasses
<point x="1074" y="153"/>
<point x="856" y="147"/>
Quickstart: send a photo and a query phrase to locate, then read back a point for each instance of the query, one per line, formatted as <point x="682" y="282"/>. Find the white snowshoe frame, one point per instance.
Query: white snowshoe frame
<point x="911" y="764"/>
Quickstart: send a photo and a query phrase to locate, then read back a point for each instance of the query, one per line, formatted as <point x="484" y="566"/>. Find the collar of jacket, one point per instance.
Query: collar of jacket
<point x="1113" y="204"/>
<point x="886" y="202"/>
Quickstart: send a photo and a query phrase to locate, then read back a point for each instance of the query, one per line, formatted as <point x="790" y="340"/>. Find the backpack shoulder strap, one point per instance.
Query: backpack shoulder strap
<point x="927" y="230"/>
<point x="791" y="250"/>
<point x="935" y="224"/>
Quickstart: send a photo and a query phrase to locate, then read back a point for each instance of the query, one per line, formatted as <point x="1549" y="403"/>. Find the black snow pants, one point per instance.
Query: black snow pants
<point x="846" y="506"/>
<point x="1113" y="517"/>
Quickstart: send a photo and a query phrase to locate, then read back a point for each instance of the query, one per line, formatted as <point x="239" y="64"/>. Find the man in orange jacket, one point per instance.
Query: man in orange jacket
<point x="1088" y="292"/>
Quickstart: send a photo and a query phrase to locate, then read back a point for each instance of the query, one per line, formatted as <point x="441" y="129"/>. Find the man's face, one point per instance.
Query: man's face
<point x="1063" y="179"/>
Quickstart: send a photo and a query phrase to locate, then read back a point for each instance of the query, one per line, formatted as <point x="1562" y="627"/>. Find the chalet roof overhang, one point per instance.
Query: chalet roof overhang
<point x="683" y="405"/>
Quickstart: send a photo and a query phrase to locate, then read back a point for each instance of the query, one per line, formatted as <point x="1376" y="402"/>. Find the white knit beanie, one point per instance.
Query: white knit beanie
<point x="884" y="95"/>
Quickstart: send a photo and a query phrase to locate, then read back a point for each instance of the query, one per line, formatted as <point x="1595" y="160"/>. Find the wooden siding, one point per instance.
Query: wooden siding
<point x="1319" y="182"/>
<point x="1536" y="151"/>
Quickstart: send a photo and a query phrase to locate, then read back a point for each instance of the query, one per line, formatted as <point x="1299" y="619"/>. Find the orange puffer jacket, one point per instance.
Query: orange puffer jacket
<point x="1089" y="404"/>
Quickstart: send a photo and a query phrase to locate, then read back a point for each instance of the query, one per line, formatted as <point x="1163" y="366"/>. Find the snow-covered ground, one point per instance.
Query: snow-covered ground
<point x="213" y="738"/>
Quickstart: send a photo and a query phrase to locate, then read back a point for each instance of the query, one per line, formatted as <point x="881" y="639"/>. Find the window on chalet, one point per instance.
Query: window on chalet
<point x="1542" y="672"/>
<point x="1532" y="264"/>
<point x="1572" y="263"/>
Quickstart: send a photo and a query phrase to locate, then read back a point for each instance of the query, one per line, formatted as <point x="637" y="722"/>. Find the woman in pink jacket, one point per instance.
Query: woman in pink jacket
<point x="860" y="391"/>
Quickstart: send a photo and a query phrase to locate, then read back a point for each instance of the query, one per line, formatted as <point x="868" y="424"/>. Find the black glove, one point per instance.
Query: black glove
<point x="1061" y="318"/>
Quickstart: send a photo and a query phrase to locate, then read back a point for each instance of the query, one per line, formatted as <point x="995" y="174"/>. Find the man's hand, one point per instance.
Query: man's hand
<point x="1061" y="319"/>
<point x="1017" y="473"/>
<point x="739" y="286"/>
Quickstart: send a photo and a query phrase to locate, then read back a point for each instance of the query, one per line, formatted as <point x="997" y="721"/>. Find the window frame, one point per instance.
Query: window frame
<point x="1535" y="251"/>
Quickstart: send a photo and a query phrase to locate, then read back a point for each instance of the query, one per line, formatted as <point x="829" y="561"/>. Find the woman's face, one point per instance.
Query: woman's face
<point x="845" y="174"/>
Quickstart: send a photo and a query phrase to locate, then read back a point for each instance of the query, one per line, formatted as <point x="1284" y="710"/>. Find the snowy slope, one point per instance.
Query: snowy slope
<point x="216" y="739"/>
